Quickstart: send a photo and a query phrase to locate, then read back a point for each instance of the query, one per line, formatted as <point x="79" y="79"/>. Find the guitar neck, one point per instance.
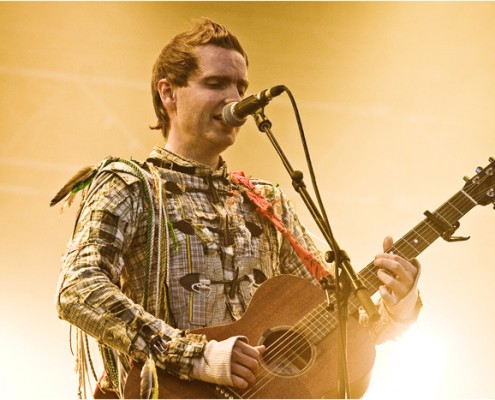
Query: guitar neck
<point x="479" y="190"/>
<point x="419" y="238"/>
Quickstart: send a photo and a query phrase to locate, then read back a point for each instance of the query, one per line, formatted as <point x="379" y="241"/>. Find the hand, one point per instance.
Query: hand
<point x="244" y="363"/>
<point x="397" y="274"/>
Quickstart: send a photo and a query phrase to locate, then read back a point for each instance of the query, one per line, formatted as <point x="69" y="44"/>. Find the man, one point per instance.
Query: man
<point x="175" y="243"/>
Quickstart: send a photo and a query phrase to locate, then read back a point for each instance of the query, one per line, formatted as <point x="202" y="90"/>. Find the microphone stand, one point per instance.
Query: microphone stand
<point x="343" y="267"/>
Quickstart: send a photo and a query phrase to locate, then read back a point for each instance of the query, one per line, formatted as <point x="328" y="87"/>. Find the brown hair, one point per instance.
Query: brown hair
<point x="177" y="61"/>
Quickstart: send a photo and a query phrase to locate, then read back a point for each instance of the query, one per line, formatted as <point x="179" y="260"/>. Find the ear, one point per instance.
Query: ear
<point x="167" y="94"/>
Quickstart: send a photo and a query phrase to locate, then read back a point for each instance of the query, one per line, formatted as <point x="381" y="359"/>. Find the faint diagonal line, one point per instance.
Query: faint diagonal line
<point x="72" y="77"/>
<point x="20" y="190"/>
<point x="41" y="165"/>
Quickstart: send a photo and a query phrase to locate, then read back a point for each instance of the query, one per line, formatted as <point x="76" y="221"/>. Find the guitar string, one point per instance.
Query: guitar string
<point x="425" y="230"/>
<point x="287" y="340"/>
<point x="298" y="336"/>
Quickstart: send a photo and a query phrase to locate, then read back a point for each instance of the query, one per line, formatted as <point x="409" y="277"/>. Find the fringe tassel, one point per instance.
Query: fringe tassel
<point x="81" y="364"/>
<point x="149" y="380"/>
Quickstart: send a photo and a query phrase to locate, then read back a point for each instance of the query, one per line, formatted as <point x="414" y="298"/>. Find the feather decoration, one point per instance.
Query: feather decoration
<point x="75" y="184"/>
<point x="156" y="386"/>
<point x="149" y="380"/>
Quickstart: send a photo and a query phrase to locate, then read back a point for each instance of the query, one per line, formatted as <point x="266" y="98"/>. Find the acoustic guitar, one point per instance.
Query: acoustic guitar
<point x="291" y="317"/>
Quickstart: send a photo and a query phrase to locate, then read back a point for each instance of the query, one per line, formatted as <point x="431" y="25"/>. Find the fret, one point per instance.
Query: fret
<point x="454" y="206"/>
<point x="409" y="244"/>
<point x="457" y="203"/>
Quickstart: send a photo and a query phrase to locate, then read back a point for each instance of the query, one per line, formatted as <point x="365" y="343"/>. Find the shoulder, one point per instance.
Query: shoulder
<point x="128" y="171"/>
<point x="118" y="180"/>
<point x="260" y="185"/>
<point x="119" y="171"/>
<point x="269" y="190"/>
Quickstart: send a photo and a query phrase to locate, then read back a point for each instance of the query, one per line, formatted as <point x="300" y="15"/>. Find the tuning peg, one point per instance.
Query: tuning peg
<point x="466" y="178"/>
<point x="491" y="159"/>
<point x="478" y="170"/>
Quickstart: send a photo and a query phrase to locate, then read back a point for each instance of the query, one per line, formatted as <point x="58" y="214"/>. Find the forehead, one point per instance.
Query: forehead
<point x="214" y="60"/>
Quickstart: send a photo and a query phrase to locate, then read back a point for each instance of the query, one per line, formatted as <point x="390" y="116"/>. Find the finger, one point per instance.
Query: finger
<point x="396" y="267"/>
<point x="244" y="360"/>
<point x="250" y="351"/>
<point x="387" y="243"/>
<point x="238" y="382"/>
<point x="394" y="287"/>
<point x="388" y="297"/>
<point x="416" y="264"/>
<point x="244" y="363"/>
<point x="396" y="264"/>
<point x="242" y="377"/>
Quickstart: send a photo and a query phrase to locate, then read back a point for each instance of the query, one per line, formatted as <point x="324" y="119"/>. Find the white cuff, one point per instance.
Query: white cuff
<point x="215" y="365"/>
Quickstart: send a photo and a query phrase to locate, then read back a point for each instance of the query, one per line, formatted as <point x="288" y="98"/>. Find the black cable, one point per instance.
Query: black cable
<point x="307" y="155"/>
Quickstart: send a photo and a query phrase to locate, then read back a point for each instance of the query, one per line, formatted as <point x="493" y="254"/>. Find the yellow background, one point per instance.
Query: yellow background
<point x="397" y="100"/>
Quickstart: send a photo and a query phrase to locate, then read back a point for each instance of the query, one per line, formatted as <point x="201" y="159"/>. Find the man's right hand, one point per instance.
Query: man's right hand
<point x="244" y="363"/>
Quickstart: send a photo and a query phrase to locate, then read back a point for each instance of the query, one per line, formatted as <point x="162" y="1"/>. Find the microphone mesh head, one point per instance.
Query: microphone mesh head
<point x="229" y="117"/>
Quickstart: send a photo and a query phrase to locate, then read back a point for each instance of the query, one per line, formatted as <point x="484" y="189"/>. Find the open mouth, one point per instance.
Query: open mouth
<point x="218" y="117"/>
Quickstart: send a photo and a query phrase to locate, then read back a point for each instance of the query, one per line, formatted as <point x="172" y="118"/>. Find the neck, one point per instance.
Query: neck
<point x="202" y="156"/>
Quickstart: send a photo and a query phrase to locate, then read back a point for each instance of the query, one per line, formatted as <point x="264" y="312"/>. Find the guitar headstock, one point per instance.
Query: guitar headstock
<point x="481" y="187"/>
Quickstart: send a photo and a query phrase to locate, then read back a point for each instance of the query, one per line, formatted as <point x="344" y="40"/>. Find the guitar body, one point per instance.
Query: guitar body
<point x="309" y="367"/>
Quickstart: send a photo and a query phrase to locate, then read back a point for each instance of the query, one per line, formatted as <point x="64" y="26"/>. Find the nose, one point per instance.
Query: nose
<point x="233" y="94"/>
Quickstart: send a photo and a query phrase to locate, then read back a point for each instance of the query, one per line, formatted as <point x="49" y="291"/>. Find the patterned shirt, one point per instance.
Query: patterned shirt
<point x="181" y="249"/>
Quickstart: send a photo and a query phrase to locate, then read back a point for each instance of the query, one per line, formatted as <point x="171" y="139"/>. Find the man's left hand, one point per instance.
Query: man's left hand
<point x="397" y="274"/>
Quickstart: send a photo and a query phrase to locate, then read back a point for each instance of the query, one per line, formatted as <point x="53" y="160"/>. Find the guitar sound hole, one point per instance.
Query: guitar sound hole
<point x="287" y="354"/>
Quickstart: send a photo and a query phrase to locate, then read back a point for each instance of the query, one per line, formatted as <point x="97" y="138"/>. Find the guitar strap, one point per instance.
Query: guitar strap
<point x="266" y="210"/>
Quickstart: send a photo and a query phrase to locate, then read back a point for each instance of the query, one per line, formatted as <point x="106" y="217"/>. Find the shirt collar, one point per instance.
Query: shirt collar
<point x="166" y="159"/>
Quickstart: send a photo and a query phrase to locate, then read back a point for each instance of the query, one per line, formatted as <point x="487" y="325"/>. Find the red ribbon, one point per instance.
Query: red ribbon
<point x="266" y="209"/>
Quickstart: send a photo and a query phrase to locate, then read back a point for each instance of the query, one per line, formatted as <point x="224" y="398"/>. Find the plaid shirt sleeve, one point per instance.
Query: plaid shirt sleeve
<point x="89" y="293"/>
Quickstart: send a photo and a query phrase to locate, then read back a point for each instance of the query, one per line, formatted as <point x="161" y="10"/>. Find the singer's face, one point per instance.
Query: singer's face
<point x="196" y="129"/>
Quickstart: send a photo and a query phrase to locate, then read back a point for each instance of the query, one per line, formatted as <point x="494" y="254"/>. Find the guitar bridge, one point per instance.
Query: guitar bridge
<point x="223" y="392"/>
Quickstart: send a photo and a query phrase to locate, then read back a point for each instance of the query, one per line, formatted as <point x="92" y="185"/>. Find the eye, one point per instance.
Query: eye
<point x="215" y="85"/>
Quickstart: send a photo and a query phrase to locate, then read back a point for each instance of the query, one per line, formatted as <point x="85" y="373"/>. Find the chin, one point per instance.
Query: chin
<point x="228" y="137"/>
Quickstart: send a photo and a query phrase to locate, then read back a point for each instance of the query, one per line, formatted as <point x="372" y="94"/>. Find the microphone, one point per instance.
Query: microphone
<point x="235" y="113"/>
